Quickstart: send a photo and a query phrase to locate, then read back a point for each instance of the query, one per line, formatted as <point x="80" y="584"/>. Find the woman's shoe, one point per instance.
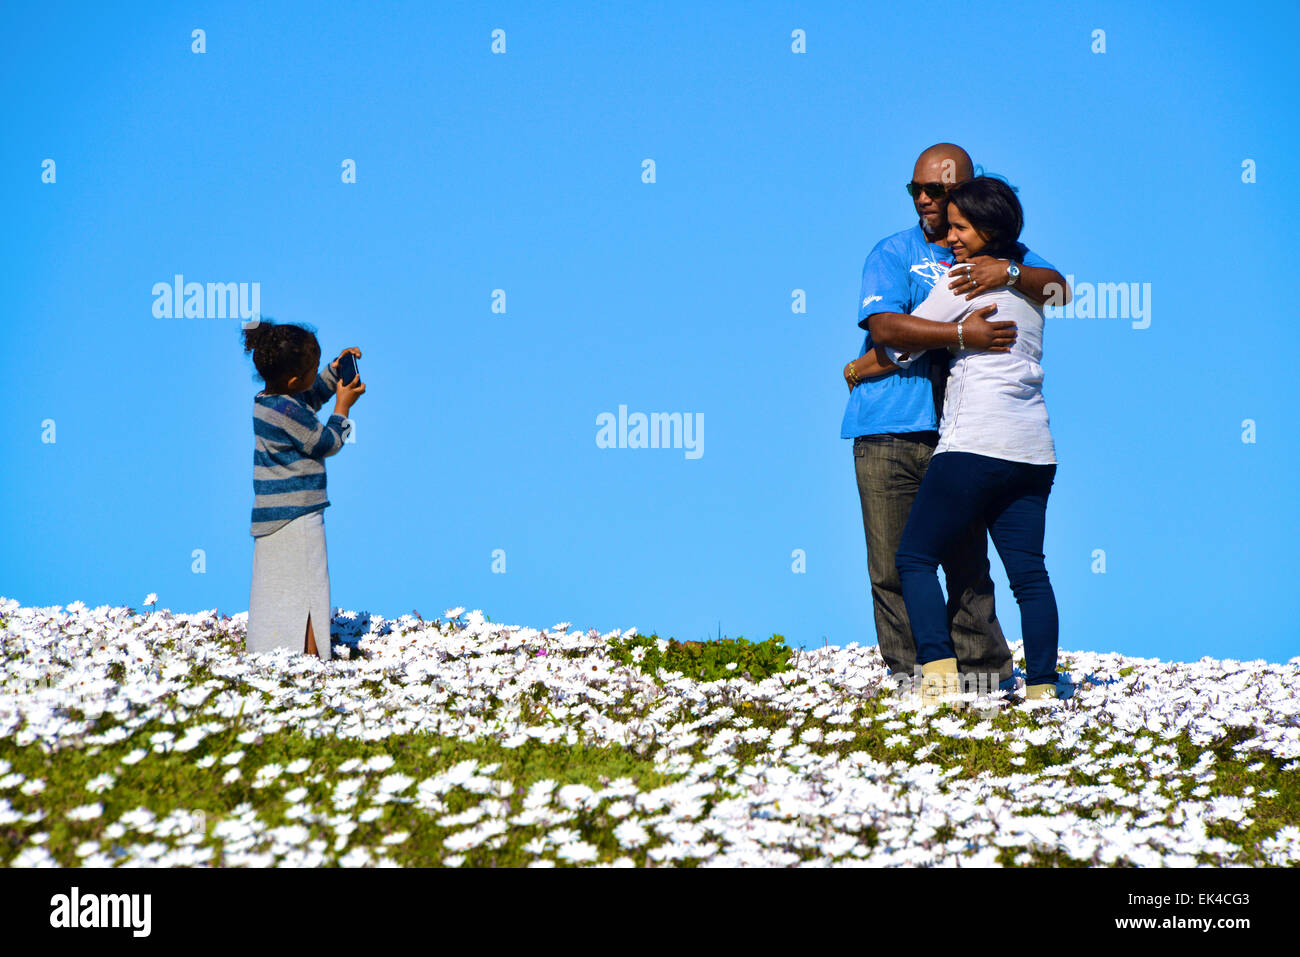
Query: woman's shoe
<point x="1039" y="692"/>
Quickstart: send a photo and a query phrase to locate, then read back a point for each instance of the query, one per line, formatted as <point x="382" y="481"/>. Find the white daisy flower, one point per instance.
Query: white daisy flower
<point x="86" y="812"/>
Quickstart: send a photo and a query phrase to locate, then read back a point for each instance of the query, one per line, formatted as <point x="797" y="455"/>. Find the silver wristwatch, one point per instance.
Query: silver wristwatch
<point x="1013" y="274"/>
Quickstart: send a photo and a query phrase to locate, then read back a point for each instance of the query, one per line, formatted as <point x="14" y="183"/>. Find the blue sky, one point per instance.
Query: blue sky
<point x="522" y="171"/>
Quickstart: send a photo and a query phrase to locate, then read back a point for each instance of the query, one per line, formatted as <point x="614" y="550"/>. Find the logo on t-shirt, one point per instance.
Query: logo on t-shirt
<point x="931" y="270"/>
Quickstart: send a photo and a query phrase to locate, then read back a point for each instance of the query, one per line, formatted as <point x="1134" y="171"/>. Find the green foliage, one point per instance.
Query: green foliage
<point x="165" y="783"/>
<point x="705" y="661"/>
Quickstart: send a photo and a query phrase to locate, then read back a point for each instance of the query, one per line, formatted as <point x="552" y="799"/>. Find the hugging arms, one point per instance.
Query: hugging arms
<point x="981" y="332"/>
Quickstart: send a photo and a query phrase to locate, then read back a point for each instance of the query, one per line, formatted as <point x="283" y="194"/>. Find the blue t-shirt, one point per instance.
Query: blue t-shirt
<point x="897" y="276"/>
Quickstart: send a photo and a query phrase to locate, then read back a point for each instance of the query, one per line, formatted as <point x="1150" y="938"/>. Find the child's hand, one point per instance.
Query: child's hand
<point x="334" y="366"/>
<point x="346" y="394"/>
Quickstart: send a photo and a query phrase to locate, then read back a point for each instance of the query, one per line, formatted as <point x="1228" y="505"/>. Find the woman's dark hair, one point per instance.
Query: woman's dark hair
<point x="280" y="351"/>
<point x="992" y="207"/>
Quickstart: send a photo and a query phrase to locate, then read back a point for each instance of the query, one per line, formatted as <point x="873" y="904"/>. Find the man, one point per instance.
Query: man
<point x="893" y="417"/>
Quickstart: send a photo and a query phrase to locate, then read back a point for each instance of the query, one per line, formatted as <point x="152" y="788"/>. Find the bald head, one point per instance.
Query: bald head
<point x="945" y="163"/>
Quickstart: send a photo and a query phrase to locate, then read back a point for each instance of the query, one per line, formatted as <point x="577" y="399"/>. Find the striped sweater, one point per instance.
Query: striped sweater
<point x="289" y="453"/>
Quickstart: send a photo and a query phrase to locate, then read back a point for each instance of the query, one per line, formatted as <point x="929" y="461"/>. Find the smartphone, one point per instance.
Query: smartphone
<point x="347" y="368"/>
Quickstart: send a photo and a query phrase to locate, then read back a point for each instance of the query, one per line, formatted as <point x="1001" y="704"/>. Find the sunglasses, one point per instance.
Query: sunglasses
<point x="933" y="190"/>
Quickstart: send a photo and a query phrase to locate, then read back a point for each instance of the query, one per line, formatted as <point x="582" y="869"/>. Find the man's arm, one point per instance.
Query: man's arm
<point x="885" y="286"/>
<point x="914" y="334"/>
<point x="1042" y="285"/>
<point x="909" y="332"/>
<point x="878" y="363"/>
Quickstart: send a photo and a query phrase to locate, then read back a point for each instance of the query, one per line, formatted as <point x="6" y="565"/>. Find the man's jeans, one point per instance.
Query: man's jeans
<point x="890" y="468"/>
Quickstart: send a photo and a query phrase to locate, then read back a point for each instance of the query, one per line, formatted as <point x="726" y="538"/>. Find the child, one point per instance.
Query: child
<point x="290" y="596"/>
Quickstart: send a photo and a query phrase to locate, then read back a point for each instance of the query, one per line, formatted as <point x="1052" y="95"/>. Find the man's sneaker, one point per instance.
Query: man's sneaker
<point x="941" y="684"/>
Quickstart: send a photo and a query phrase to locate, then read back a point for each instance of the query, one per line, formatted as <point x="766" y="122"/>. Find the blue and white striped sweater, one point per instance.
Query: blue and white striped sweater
<point x="289" y="453"/>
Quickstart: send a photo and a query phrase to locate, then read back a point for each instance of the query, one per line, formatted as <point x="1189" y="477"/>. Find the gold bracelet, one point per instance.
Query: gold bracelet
<point x="852" y="374"/>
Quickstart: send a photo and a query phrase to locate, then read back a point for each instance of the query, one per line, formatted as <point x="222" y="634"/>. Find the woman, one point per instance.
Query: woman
<point x="995" y="461"/>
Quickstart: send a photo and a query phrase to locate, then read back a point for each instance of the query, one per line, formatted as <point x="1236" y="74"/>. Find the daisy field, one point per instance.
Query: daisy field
<point x="132" y="738"/>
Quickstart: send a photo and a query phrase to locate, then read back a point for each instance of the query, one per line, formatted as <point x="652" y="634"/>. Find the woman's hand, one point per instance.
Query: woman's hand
<point x="978" y="275"/>
<point x="981" y="335"/>
<point x="874" y="363"/>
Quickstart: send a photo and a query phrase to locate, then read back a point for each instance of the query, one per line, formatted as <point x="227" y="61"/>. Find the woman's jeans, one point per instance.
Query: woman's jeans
<point x="890" y="469"/>
<point x="1011" y="498"/>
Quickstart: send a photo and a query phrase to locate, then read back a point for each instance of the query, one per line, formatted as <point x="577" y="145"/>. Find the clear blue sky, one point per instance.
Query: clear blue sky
<point x="775" y="171"/>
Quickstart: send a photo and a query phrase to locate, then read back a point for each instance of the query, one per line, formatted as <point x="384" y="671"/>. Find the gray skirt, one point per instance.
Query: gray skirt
<point x="291" y="580"/>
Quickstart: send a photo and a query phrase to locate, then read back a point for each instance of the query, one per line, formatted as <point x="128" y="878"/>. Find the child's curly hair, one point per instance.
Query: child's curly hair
<point x="279" y="351"/>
